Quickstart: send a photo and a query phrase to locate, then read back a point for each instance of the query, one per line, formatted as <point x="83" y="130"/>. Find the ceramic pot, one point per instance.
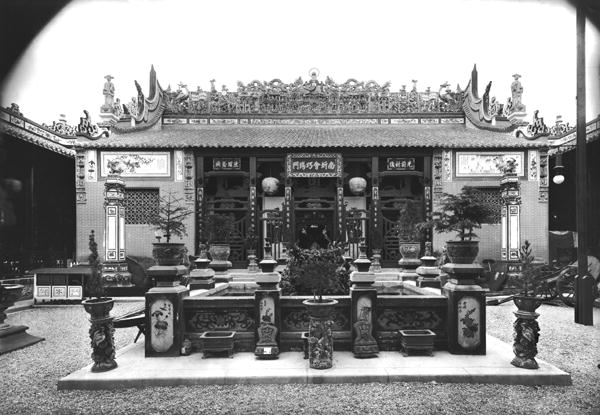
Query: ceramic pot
<point x="169" y="253"/>
<point x="219" y="254"/>
<point x="462" y="252"/>
<point x="320" y="336"/>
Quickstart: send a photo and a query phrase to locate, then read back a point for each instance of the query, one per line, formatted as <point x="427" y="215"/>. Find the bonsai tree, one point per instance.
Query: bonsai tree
<point x="94" y="284"/>
<point x="218" y="228"/>
<point x="460" y="213"/>
<point x="316" y="271"/>
<point x="170" y="217"/>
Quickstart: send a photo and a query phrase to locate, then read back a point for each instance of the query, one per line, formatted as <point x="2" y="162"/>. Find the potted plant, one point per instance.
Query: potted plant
<point x="99" y="306"/>
<point x="169" y="222"/>
<point x="460" y="213"/>
<point x="526" y="334"/>
<point x="409" y="237"/>
<point x="219" y="229"/>
<point x="318" y="272"/>
<point x="251" y="242"/>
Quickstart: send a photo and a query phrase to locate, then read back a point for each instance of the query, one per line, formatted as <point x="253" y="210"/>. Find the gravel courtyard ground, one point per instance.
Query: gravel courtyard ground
<point x="28" y="377"/>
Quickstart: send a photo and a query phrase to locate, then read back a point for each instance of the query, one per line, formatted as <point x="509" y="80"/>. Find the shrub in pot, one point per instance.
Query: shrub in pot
<point x="526" y="328"/>
<point x="98" y="306"/>
<point x="460" y="213"/>
<point x="318" y="272"/>
<point x="169" y="222"/>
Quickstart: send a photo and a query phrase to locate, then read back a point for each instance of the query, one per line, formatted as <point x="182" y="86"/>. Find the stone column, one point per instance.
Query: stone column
<point x="114" y="267"/>
<point x="267" y="308"/>
<point x="466" y="309"/>
<point x="510" y="219"/>
<point x="164" y="311"/>
<point x="363" y="299"/>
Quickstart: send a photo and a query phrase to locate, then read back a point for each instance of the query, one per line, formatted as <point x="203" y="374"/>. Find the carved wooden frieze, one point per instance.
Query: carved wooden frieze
<point x="399" y="319"/>
<point x="296" y="319"/>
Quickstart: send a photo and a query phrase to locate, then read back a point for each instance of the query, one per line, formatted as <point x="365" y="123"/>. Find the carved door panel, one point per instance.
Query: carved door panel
<point x="356" y="222"/>
<point x="271" y="224"/>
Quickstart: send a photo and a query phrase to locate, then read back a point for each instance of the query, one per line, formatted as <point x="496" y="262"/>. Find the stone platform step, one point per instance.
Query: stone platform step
<point x="15" y="337"/>
<point x="136" y="371"/>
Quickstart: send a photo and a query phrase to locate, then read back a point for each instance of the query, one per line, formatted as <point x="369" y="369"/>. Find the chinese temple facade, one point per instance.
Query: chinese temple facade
<point x="312" y="162"/>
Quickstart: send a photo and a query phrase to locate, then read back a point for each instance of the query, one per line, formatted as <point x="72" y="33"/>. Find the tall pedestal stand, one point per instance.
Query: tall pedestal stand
<point x="267" y="309"/>
<point x="466" y="309"/>
<point x="164" y="311"/>
<point x="363" y="299"/>
<point x="114" y="267"/>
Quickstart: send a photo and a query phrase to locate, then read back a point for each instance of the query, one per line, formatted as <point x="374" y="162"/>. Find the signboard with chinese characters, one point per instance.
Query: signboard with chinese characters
<point x="229" y="163"/>
<point x="137" y="164"/>
<point x="314" y="165"/>
<point x="482" y="164"/>
<point x="400" y="164"/>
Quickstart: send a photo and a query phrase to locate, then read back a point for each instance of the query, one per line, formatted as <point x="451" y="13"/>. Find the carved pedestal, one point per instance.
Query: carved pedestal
<point x="320" y="336"/>
<point x="526" y="334"/>
<point x="202" y="277"/>
<point x="466" y="309"/>
<point x="164" y="311"/>
<point x="12" y="337"/>
<point x="429" y="273"/>
<point x="102" y="333"/>
<point x="376" y="262"/>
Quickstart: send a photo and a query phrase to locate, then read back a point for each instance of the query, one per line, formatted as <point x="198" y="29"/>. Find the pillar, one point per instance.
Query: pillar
<point x="114" y="267"/>
<point x="510" y="217"/>
<point x="164" y="311"/>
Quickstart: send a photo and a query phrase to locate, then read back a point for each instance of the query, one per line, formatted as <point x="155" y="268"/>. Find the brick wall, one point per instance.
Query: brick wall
<point x="138" y="238"/>
<point x="533" y="219"/>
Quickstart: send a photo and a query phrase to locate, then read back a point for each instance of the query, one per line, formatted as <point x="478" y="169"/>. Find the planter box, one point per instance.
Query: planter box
<point x="419" y="340"/>
<point x="217" y="341"/>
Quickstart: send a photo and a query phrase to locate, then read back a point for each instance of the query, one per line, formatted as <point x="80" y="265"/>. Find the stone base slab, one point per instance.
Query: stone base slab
<point x="135" y="371"/>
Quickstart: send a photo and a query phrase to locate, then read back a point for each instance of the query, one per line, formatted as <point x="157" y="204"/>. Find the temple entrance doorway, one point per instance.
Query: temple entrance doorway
<point x="314" y="229"/>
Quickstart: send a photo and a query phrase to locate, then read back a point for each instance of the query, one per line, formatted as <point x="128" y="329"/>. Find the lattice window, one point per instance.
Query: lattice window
<point x="490" y="197"/>
<point x="141" y="205"/>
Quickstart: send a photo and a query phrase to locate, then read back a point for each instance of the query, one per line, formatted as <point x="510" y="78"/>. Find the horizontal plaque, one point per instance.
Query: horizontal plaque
<point x="138" y="163"/>
<point x="314" y="165"/>
<point x="227" y="163"/>
<point x="400" y="164"/>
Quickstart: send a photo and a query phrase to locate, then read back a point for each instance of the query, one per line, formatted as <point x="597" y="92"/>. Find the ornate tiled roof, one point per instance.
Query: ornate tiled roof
<point x="295" y="136"/>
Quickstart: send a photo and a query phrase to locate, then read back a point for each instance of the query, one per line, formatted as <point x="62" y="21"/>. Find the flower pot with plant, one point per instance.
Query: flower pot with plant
<point x="318" y="272"/>
<point x="219" y="228"/>
<point x="409" y="237"/>
<point x="169" y="222"/>
<point x="526" y="328"/>
<point x="460" y="213"/>
<point x="98" y="306"/>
